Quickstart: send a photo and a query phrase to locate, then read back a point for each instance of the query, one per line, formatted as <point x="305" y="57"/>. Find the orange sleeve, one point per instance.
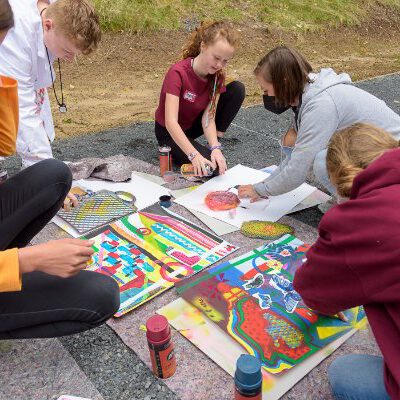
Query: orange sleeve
<point x="10" y="278"/>
<point x="8" y="115"/>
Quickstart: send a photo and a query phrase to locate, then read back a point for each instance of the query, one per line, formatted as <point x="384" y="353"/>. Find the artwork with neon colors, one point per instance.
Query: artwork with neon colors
<point x="223" y="350"/>
<point x="147" y="252"/>
<point x="221" y="200"/>
<point x="253" y="300"/>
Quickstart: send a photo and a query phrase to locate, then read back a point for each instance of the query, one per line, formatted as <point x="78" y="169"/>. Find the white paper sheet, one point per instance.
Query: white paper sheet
<point x="315" y="198"/>
<point x="264" y="210"/>
<point x="145" y="191"/>
<point x="223" y="228"/>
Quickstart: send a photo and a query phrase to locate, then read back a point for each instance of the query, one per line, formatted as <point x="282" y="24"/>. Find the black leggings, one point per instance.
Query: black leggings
<point x="47" y="306"/>
<point x="228" y="106"/>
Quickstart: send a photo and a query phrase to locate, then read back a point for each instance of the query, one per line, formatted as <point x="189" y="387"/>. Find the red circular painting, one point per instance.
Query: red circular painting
<point x="221" y="200"/>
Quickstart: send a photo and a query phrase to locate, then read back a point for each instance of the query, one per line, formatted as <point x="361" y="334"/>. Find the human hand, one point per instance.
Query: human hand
<point x="340" y="315"/>
<point x="63" y="257"/>
<point x="219" y="160"/>
<point x="199" y="163"/>
<point x="70" y="201"/>
<point x="247" y="191"/>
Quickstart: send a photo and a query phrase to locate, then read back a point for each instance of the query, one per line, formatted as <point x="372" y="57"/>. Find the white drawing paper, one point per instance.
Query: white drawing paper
<point x="271" y="209"/>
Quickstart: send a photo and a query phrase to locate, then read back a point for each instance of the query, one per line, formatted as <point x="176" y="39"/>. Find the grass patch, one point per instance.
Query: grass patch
<point x="158" y="15"/>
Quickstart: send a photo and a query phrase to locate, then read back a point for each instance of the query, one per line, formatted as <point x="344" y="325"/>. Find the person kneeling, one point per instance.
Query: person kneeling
<point x="355" y="260"/>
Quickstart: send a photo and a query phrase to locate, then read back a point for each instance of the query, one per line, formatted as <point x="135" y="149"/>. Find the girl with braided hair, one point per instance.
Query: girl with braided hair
<point x="195" y="101"/>
<point x="355" y="260"/>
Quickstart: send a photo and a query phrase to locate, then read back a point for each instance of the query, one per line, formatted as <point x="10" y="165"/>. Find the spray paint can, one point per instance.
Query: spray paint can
<point x="248" y="378"/>
<point x="3" y="175"/>
<point x="187" y="171"/>
<point x="165" y="159"/>
<point x="161" y="347"/>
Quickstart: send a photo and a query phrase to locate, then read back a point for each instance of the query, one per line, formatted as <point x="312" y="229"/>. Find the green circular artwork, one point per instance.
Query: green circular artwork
<point x="265" y="229"/>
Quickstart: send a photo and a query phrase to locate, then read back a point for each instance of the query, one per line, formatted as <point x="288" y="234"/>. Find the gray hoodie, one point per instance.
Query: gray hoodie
<point x="329" y="103"/>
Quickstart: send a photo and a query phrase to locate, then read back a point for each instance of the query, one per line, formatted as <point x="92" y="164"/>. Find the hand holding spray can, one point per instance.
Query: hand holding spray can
<point x="187" y="171"/>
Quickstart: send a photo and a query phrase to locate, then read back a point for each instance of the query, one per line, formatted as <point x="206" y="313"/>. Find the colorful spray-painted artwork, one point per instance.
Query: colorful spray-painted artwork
<point x="147" y="252"/>
<point x="222" y="349"/>
<point x="253" y="300"/>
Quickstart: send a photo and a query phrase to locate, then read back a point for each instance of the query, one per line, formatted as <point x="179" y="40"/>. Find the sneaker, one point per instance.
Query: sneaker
<point x="324" y="207"/>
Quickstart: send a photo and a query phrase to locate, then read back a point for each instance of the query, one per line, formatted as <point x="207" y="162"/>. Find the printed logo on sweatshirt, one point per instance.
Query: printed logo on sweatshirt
<point x="189" y="96"/>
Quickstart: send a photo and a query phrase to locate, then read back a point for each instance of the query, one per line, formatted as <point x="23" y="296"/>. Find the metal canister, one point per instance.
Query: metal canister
<point x="187" y="171"/>
<point x="3" y="175"/>
<point x="165" y="159"/>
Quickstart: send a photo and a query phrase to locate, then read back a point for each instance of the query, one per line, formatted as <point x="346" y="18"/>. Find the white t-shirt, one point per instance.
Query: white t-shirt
<point x="23" y="57"/>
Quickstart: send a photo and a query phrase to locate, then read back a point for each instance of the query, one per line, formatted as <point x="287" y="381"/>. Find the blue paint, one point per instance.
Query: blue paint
<point x="248" y="377"/>
<point x="165" y="201"/>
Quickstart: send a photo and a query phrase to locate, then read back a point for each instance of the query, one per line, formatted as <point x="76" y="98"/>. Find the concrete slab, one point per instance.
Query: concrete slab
<point x="41" y="370"/>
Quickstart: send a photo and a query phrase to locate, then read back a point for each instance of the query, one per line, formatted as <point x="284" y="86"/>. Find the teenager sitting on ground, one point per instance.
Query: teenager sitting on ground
<point x="194" y="100"/>
<point x="43" y="292"/>
<point x="355" y="260"/>
<point x="322" y="103"/>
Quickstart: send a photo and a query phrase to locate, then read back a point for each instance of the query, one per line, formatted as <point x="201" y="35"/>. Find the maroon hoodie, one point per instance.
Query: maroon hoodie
<point x="356" y="259"/>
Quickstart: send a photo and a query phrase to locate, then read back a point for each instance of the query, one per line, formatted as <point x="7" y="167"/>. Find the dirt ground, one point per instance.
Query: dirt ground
<point x="120" y="83"/>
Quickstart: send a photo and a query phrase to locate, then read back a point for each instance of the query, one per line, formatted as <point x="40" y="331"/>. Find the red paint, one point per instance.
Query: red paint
<point x="161" y="347"/>
<point x="221" y="200"/>
<point x="165" y="159"/>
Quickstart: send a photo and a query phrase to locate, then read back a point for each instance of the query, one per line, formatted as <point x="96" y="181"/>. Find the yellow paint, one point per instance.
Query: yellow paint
<point x="325" y="332"/>
<point x="208" y="309"/>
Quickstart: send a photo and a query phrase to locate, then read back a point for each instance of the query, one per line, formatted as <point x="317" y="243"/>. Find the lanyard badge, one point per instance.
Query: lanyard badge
<point x="61" y="105"/>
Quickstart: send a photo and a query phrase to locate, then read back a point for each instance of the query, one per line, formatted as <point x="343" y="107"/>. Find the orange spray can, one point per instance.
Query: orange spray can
<point x="161" y="347"/>
<point x="165" y="159"/>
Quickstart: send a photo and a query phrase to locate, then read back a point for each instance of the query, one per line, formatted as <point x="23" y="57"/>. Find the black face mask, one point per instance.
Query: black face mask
<point x="269" y="104"/>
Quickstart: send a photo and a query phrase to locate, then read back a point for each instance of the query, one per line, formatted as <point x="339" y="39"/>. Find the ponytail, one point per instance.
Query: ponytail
<point x="352" y="149"/>
<point x="207" y="33"/>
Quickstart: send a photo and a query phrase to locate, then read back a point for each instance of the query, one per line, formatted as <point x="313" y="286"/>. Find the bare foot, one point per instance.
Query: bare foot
<point x="220" y="134"/>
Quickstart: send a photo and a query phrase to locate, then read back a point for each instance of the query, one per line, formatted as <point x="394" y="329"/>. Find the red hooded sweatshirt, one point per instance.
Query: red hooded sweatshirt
<point x="356" y="259"/>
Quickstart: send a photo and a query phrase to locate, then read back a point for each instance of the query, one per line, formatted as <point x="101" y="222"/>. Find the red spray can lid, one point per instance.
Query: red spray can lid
<point x="158" y="330"/>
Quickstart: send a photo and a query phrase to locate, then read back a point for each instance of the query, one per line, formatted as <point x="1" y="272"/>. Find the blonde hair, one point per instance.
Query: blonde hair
<point x="78" y="21"/>
<point x="208" y="33"/>
<point x="352" y="149"/>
